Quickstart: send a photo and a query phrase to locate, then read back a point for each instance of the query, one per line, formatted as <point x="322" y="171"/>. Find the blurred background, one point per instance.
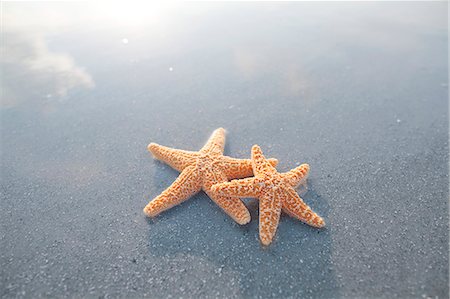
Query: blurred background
<point x="357" y="90"/>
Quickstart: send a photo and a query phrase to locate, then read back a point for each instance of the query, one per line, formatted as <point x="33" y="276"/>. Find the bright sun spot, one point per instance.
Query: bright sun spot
<point x="135" y="13"/>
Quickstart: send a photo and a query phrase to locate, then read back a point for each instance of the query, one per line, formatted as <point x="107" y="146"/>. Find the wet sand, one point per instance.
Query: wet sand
<point x="359" y="92"/>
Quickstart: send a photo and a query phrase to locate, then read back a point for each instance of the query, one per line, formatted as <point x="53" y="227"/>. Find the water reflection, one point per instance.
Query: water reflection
<point x="49" y="76"/>
<point x="253" y="63"/>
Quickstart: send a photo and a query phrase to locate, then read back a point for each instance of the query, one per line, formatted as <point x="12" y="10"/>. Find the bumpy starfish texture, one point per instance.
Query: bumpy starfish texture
<point x="275" y="192"/>
<point x="199" y="171"/>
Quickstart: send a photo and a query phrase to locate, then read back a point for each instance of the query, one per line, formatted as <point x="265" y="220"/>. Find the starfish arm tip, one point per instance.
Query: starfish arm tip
<point x="244" y="220"/>
<point x="273" y="161"/>
<point x="303" y="167"/>
<point x="153" y="149"/>
<point x="316" y="222"/>
<point x="220" y="130"/>
<point x="256" y="150"/>
<point x="297" y="176"/>
<point x="320" y="222"/>
<point x="152" y="146"/>
<point x="148" y="212"/>
<point x="265" y="241"/>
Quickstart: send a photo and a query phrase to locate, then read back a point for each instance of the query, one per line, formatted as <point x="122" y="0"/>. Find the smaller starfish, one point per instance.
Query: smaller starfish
<point x="275" y="191"/>
<point x="199" y="171"/>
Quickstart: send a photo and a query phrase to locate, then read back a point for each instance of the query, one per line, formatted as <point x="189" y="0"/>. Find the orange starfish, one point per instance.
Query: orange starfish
<point x="199" y="171"/>
<point x="275" y="192"/>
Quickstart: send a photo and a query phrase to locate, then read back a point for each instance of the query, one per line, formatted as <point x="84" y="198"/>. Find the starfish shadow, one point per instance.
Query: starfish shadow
<point x="208" y="246"/>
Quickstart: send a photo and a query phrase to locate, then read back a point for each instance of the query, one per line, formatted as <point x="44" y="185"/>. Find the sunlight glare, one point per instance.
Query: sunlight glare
<point x="135" y="13"/>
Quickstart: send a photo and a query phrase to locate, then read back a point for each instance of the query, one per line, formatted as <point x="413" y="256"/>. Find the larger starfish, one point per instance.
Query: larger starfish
<point x="199" y="171"/>
<point x="275" y="191"/>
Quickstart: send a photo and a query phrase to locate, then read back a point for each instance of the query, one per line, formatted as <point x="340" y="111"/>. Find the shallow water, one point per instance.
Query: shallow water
<point x="358" y="91"/>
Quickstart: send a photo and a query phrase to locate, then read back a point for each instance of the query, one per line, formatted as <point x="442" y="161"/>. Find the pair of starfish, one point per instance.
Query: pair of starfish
<point x="209" y="170"/>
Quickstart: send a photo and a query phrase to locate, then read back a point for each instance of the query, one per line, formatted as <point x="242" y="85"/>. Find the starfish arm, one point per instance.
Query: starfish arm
<point x="239" y="168"/>
<point x="215" y="143"/>
<point x="247" y="187"/>
<point x="259" y="162"/>
<point x="232" y="206"/>
<point x="177" y="159"/>
<point x="295" y="207"/>
<point x="297" y="175"/>
<point x="187" y="184"/>
<point x="269" y="215"/>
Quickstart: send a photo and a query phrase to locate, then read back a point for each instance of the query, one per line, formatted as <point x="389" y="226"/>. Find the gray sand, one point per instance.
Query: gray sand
<point x="358" y="91"/>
